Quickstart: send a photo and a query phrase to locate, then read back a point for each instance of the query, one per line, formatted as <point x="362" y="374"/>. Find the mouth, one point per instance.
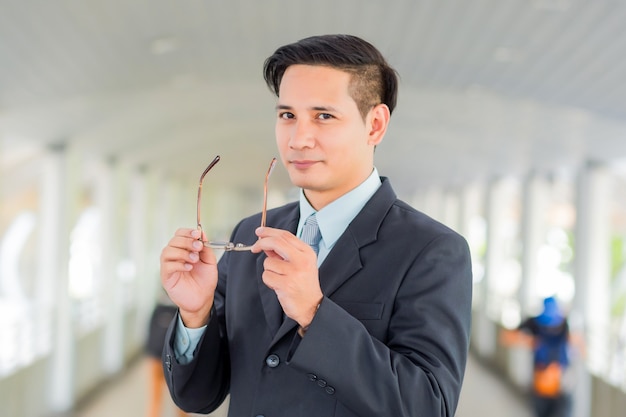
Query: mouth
<point x="302" y="164"/>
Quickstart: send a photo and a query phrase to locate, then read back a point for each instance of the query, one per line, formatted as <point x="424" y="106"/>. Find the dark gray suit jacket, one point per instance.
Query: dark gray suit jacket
<point x="390" y="337"/>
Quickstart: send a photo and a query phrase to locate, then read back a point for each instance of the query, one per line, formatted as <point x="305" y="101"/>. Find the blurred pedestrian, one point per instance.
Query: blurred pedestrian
<point x="163" y="313"/>
<point x="548" y="335"/>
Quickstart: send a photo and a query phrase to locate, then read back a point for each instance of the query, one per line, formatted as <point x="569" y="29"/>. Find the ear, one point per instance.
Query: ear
<point x="377" y="122"/>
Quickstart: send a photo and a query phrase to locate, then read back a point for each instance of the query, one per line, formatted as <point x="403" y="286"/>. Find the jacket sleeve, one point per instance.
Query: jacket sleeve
<point x="201" y="385"/>
<point x="418" y="369"/>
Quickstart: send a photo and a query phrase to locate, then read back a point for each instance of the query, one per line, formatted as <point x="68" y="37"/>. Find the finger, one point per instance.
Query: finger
<point x="187" y="232"/>
<point x="275" y="280"/>
<point x="274" y="248"/>
<point x="272" y="254"/>
<point x="265" y="232"/>
<point x="174" y="259"/>
<point x="169" y="269"/>
<point x="275" y="265"/>
<point x="301" y="264"/>
<point x="182" y="254"/>
<point x="282" y="242"/>
<point x="172" y="269"/>
<point x="186" y="242"/>
<point x="174" y="254"/>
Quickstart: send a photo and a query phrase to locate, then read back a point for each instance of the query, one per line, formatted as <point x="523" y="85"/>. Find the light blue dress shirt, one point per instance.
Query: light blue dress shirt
<point x="333" y="220"/>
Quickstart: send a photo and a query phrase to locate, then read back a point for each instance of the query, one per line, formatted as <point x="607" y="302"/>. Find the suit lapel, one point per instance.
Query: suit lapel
<point x="344" y="260"/>
<point x="271" y="307"/>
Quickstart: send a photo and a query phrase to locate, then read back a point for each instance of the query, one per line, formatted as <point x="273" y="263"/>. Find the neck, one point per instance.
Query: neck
<point x="320" y="198"/>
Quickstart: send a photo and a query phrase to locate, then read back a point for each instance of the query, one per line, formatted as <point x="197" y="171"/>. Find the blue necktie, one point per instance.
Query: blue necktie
<point x="311" y="233"/>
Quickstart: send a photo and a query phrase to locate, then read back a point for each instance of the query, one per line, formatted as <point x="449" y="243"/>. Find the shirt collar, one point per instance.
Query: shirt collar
<point x="334" y="219"/>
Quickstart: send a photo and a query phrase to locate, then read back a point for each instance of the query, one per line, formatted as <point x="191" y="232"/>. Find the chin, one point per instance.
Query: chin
<point x="301" y="180"/>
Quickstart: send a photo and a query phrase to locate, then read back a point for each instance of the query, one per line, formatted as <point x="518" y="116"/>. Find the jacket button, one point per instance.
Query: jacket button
<point x="330" y="390"/>
<point x="272" y="361"/>
<point x="312" y="377"/>
<point x="321" y="383"/>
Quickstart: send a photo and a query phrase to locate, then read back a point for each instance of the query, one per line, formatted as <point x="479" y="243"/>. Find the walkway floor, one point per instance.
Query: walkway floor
<point x="483" y="395"/>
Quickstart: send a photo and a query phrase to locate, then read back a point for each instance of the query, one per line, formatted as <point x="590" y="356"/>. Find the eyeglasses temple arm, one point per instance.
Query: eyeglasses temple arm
<point x="211" y="165"/>
<point x="267" y="176"/>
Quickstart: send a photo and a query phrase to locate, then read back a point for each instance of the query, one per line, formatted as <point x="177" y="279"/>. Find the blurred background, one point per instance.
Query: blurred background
<point x="510" y="128"/>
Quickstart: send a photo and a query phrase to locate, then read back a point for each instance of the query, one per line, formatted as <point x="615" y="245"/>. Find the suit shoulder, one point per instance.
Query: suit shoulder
<point x="413" y="218"/>
<point x="419" y="231"/>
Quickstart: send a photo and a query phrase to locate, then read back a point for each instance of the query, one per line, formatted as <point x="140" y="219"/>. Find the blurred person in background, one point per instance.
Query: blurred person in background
<point x="548" y="335"/>
<point x="162" y="314"/>
<point x="364" y="311"/>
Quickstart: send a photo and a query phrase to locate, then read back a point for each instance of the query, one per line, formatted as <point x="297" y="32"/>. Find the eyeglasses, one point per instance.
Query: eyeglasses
<point x="229" y="246"/>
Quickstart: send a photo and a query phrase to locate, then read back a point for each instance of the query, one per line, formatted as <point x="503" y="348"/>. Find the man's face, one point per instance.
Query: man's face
<point x="326" y="146"/>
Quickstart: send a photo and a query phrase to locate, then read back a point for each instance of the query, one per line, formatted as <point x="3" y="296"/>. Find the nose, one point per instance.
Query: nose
<point x="302" y="135"/>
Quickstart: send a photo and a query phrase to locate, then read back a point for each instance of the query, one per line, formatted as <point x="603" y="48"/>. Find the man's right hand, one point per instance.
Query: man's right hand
<point x="189" y="275"/>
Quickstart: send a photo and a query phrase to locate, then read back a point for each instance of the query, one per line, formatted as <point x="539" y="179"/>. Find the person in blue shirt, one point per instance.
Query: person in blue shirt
<point x="549" y="337"/>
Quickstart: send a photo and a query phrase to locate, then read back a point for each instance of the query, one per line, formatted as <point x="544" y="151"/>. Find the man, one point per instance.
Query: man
<point x="376" y="323"/>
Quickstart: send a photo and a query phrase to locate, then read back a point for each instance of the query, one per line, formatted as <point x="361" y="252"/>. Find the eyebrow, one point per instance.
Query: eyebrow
<point x="315" y="108"/>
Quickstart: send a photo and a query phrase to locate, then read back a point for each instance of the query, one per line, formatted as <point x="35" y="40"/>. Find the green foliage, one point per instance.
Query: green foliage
<point x="618" y="259"/>
<point x="619" y="306"/>
<point x="617" y="256"/>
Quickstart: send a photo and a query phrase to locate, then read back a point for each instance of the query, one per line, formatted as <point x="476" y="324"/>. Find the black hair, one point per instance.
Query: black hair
<point x="373" y="80"/>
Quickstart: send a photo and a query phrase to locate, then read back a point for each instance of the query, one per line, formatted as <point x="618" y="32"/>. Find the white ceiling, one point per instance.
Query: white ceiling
<point x="487" y="86"/>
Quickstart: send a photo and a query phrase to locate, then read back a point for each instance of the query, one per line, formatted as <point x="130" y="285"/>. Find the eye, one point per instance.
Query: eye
<point x="285" y="115"/>
<point x="325" y="116"/>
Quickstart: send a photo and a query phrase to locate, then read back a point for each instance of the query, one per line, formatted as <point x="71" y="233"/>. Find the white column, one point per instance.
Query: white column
<point x="535" y="207"/>
<point x="163" y="226"/>
<point x="499" y="232"/>
<point x="471" y="216"/>
<point x="593" y="259"/>
<point x="590" y="308"/>
<point x="54" y="258"/>
<point x="146" y="282"/>
<point x="152" y="244"/>
<point x="485" y="335"/>
<point x="109" y="202"/>
<point x="178" y="204"/>
<point x="170" y="209"/>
